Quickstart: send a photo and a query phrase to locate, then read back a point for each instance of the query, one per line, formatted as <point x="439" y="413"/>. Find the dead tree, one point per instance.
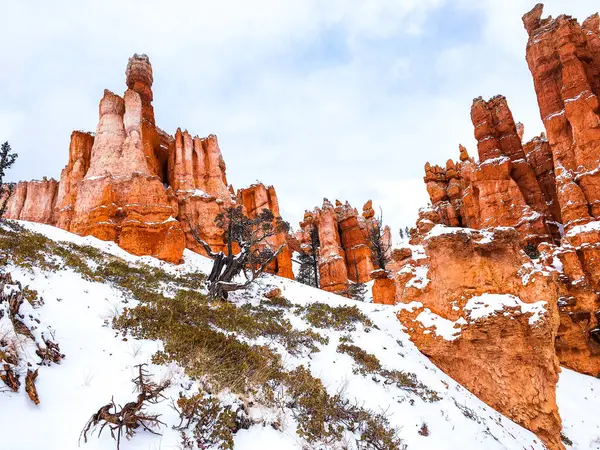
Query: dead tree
<point x="7" y="159"/>
<point x="309" y="260"/>
<point x="131" y="416"/>
<point x="254" y="256"/>
<point x="378" y="242"/>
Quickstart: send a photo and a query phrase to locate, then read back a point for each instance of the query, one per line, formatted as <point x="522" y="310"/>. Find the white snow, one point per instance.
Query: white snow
<point x="497" y="160"/>
<point x="444" y="328"/>
<point x="99" y="364"/>
<point x="578" y="397"/>
<point x="419" y="280"/>
<point x="577" y="97"/>
<point x="586" y="228"/>
<point x="555" y="114"/>
<point x="485" y="305"/>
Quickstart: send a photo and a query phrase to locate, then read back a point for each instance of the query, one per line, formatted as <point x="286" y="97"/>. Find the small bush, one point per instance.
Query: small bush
<point x="566" y="440"/>
<point x="211" y="424"/>
<point x="323" y="419"/>
<point x="532" y="251"/>
<point x="339" y="318"/>
<point x="278" y="302"/>
<point x="367" y="363"/>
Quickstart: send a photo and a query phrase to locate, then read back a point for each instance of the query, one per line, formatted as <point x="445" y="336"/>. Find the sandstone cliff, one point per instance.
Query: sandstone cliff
<point x="486" y="315"/>
<point x="255" y="199"/>
<point x="546" y="188"/>
<point x="345" y="253"/>
<point x="134" y="184"/>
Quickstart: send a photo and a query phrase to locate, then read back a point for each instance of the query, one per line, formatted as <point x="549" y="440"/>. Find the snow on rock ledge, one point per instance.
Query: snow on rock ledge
<point x="485" y="305"/>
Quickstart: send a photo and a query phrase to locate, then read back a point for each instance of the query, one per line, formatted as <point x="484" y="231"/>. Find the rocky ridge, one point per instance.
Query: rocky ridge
<point x="132" y="183"/>
<point x="503" y="265"/>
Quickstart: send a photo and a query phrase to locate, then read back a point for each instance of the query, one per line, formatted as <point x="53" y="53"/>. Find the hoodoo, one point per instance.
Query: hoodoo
<point x="132" y="183"/>
<point x="504" y="265"/>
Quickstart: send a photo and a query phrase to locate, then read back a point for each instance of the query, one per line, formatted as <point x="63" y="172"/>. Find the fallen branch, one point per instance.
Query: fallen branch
<point x="130" y="417"/>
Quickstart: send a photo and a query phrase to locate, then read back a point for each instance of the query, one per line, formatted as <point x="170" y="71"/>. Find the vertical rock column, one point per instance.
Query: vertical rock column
<point x="121" y="197"/>
<point x="564" y="60"/>
<point x="256" y="199"/>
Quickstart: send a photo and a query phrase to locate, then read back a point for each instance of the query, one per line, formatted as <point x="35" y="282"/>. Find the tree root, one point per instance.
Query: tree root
<point x="130" y="417"/>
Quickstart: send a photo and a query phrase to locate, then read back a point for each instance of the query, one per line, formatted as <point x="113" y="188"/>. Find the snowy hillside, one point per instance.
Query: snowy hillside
<point x="358" y="351"/>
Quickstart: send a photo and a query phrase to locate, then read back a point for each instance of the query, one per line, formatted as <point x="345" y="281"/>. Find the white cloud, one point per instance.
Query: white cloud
<point x="322" y="99"/>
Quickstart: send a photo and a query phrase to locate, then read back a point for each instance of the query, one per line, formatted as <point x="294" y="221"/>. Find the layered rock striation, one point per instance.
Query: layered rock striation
<point x="547" y="189"/>
<point x="503" y="188"/>
<point x="256" y="199"/>
<point x="345" y="253"/>
<point x="134" y="184"/>
<point x="486" y="315"/>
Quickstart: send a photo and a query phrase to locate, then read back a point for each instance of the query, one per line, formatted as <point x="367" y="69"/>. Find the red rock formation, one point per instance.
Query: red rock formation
<point x="472" y="305"/>
<point x="197" y="176"/>
<point x="354" y="240"/>
<point x="502" y="190"/>
<point x="135" y="184"/>
<point x="255" y="199"/>
<point x="345" y="252"/>
<point x="539" y="157"/>
<point x="121" y="198"/>
<point x="33" y="201"/>
<point x="546" y="186"/>
<point x="564" y="60"/>
<point x="333" y="272"/>
<point x="384" y="288"/>
<point x="80" y="153"/>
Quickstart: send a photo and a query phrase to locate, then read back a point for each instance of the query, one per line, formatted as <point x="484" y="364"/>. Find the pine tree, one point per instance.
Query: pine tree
<point x="255" y="255"/>
<point x="309" y="260"/>
<point x="401" y="233"/>
<point x="379" y="244"/>
<point x="7" y="159"/>
<point x="357" y="291"/>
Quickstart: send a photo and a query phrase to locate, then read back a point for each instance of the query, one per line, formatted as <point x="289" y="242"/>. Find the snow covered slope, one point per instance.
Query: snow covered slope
<point x="431" y="411"/>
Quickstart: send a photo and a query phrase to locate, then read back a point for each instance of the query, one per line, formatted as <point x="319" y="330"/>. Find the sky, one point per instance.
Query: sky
<point x="344" y="99"/>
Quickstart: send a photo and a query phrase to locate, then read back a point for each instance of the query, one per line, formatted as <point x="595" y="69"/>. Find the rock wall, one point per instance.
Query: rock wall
<point x="468" y="294"/>
<point x="503" y="188"/>
<point x="548" y="188"/>
<point x="256" y="199"/>
<point x="345" y="253"/>
<point x="33" y="201"/>
<point x="471" y="301"/>
<point x="134" y="184"/>
<point x="197" y="175"/>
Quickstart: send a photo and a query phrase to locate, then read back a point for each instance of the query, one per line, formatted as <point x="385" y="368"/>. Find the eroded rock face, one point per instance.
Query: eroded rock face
<point x="33" y="201"/>
<point x="547" y="189"/>
<point x="256" y="199"/>
<point x="502" y="189"/>
<point x="354" y="240"/>
<point x="345" y="252"/>
<point x="134" y="184"/>
<point x="333" y="272"/>
<point x="120" y="198"/>
<point x="80" y="153"/>
<point x="474" y="303"/>
<point x="564" y="60"/>
<point x="197" y="175"/>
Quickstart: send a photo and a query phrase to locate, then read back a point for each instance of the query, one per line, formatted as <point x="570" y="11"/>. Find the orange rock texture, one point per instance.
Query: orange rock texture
<point x="502" y="189"/>
<point x="255" y="199"/>
<point x="134" y="184"/>
<point x="468" y="294"/>
<point x="475" y="304"/>
<point x="33" y="201"/>
<point x="345" y="254"/>
<point x="548" y="189"/>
